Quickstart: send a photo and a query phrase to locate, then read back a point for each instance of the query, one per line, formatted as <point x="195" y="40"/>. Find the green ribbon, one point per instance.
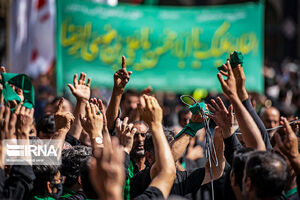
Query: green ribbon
<point x="291" y="192"/>
<point x="192" y="127"/>
<point x="21" y="81"/>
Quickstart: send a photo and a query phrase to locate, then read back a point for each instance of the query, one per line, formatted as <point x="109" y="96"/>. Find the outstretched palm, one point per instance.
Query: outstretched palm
<point x="221" y="116"/>
<point x="79" y="89"/>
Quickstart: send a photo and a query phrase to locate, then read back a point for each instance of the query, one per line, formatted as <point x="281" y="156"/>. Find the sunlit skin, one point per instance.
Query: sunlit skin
<point x="138" y="151"/>
<point x="270" y="118"/>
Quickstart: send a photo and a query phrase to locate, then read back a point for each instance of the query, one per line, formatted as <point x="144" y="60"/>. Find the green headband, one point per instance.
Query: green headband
<point x="21" y="81"/>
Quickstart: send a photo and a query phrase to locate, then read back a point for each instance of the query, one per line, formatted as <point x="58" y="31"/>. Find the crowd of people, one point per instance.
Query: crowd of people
<point x="128" y="148"/>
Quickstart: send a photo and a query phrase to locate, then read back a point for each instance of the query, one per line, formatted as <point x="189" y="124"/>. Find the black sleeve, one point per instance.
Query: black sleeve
<point x="140" y="182"/>
<point x="72" y="140"/>
<point x="232" y="144"/>
<point x="19" y="184"/>
<point x="2" y="180"/>
<point x="187" y="183"/>
<point x="77" y="196"/>
<point x="259" y="124"/>
<point x="150" y="193"/>
<point x="126" y="164"/>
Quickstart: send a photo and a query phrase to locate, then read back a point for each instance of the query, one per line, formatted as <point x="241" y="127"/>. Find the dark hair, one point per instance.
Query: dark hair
<point x="129" y="92"/>
<point x="148" y="145"/>
<point x="71" y="161"/>
<point x="56" y="99"/>
<point x="140" y="122"/>
<point x="268" y="173"/>
<point x="87" y="186"/>
<point x="238" y="164"/>
<point x="183" y="111"/>
<point x="43" y="174"/>
<point x="46" y="124"/>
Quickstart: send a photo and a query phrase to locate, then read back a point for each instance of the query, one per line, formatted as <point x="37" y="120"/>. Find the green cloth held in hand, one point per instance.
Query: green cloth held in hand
<point x="196" y="108"/>
<point x="192" y="127"/>
<point x="236" y="58"/>
<point x="21" y="81"/>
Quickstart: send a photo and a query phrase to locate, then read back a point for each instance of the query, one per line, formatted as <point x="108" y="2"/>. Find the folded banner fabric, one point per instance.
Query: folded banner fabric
<point x="170" y="48"/>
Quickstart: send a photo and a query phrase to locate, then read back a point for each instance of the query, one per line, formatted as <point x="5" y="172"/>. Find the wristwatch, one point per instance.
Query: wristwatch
<point x="99" y="140"/>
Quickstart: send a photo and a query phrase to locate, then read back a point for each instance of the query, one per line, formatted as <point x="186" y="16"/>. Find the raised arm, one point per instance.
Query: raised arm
<point x="121" y="78"/>
<point x="163" y="171"/>
<point x="107" y="171"/>
<point x="21" y="176"/>
<point x="240" y="78"/>
<point x="180" y="144"/>
<point x="217" y="171"/>
<point x="249" y="129"/>
<point x="92" y="123"/>
<point x="82" y="92"/>
<point x="224" y="119"/>
<point x="63" y="122"/>
<point x="289" y="147"/>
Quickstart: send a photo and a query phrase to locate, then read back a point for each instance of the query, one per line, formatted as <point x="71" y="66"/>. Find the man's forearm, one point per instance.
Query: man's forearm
<point x="249" y="129"/>
<point x="295" y="162"/>
<point x="217" y="171"/>
<point x="259" y="123"/>
<point x="113" y="108"/>
<point x="163" y="170"/>
<point x="163" y="155"/>
<point x="76" y="127"/>
<point x="179" y="145"/>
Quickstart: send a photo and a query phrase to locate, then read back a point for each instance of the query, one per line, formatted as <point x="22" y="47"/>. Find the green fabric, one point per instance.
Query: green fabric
<point x="159" y="51"/>
<point x="290" y="192"/>
<point x="39" y="197"/>
<point x="192" y="127"/>
<point x="126" y="190"/>
<point x="194" y="108"/>
<point x="67" y="192"/>
<point x="183" y="165"/>
<point x="236" y="58"/>
<point x="21" y="81"/>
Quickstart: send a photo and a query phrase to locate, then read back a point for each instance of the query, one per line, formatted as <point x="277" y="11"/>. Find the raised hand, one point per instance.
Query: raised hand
<point x="121" y="77"/>
<point x="125" y="133"/>
<point x="24" y="121"/>
<point x="197" y="118"/>
<point x="63" y="120"/>
<point x="221" y="116"/>
<point x="7" y="123"/>
<point x="289" y="147"/>
<point x="98" y="102"/>
<point x="290" y="144"/>
<point x="240" y="78"/>
<point x="92" y="123"/>
<point x="152" y="114"/>
<point x="80" y="89"/>
<point x="107" y="171"/>
<point x="229" y="85"/>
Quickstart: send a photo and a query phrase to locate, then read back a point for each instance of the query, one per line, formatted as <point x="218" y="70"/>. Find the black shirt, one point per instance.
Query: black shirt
<point x="19" y="183"/>
<point x="150" y="193"/>
<point x="185" y="184"/>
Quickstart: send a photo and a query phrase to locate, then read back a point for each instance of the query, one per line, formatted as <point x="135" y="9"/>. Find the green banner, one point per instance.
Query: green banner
<point x="170" y="48"/>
